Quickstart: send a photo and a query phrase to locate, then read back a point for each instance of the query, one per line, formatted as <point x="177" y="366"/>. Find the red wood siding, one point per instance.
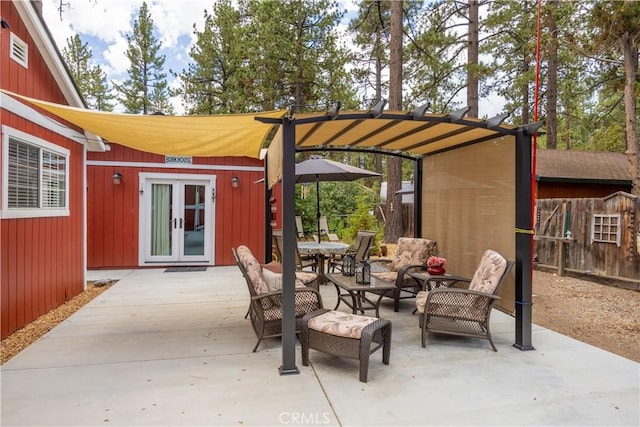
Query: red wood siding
<point x="559" y="190"/>
<point x="42" y="259"/>
<point x="113" y="210"/>
<point x="36" y="81"/>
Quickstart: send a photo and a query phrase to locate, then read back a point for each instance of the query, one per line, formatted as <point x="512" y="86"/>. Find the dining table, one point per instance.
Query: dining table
<point x="322" y="251"/>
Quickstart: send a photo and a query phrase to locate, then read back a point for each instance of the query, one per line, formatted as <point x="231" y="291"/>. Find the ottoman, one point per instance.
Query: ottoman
<point x="347" y="335"/>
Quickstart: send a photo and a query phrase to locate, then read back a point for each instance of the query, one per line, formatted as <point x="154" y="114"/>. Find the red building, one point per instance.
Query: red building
<point x="171" y="210"/>
<point x="42" y="163"/>
<point x="70" y="202"/>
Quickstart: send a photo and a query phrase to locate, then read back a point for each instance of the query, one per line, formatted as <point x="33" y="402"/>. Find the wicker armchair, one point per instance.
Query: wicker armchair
<point x="460" y="306"/>
<point x="411" y="255"/>
<point x="265" y="310"/>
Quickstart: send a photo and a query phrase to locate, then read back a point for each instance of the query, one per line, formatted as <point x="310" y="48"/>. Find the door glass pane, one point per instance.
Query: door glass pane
<point x="161" y="199"/>
<point x="194" y="218"/>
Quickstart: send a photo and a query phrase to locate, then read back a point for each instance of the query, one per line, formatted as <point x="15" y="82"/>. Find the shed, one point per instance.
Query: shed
<point x="581" y="174"/>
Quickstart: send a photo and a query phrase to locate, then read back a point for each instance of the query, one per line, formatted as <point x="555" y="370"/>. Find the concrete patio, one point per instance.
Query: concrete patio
<point x="174" y="349"/>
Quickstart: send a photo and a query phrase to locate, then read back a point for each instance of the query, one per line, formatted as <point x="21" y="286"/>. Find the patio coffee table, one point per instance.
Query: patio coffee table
<point x="355" y="295"/>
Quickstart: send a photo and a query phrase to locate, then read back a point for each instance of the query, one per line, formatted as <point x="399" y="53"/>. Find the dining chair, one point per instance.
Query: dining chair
<point x="359" y="250"/>
<point x="301" y="262"/>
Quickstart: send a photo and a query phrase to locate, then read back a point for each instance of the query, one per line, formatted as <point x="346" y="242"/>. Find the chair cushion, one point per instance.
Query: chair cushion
<point x="413" y="251"/>
<point x="274" y="280"/>
<point x="388" y="276"/>
<point x="274" y="266"/>
<point x="340" y="324"/>
<point x="306" y="277"/>
<point x="421" y="300"/>
<point x="253" y="269"/>
<point x="488" y="274"/>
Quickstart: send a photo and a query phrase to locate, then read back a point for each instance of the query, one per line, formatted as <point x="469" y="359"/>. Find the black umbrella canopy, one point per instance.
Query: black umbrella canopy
<point x="321" y="169"/>
<point x="316" y="169"/>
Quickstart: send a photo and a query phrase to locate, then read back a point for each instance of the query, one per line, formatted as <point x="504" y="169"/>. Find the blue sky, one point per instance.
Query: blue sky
<point x="104" y="24"/>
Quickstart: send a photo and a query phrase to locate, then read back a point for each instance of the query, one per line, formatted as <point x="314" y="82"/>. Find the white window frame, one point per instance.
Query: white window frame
<point x="604" y="222"/>
<point x="41" y="144"/>
<point x="15" y="41"/>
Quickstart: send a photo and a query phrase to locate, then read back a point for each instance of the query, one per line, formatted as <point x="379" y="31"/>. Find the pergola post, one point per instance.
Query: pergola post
<point x="289" y="248"/>
<point x="417" y="197"/>
<point x="524" y="241"/>
<point x="268" y="230"/>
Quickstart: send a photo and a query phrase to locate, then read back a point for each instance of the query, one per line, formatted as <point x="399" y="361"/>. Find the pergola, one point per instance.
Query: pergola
<point x="421" y="137"/>
<point x="473" y="178"/>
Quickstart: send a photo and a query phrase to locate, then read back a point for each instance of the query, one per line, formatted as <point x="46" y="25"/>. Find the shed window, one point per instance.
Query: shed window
<point x="606" y="228"/>
<point x="36" y="176"/>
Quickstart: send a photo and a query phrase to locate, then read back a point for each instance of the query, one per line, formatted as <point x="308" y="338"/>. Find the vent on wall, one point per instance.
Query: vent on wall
<point x="19" y="50"/>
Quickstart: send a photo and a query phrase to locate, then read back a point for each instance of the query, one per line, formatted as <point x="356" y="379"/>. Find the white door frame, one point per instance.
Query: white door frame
<point x="145" y="180"/>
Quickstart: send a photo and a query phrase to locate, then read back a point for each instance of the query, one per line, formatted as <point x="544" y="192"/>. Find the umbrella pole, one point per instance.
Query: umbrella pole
<point x="318" y="205"/>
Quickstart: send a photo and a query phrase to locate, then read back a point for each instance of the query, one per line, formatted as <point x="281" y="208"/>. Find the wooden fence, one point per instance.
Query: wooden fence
<point x="598" y="236"/>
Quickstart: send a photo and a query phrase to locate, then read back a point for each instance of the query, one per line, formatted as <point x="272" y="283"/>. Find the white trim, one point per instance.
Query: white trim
<point x="174" y="166"/>
<point x="48" y="51"/>
<point x="145" y="178"/>
<point x="16" y="107"/>
<point x="47" y="48"/>
<point x="84" y="219"/>
<point x="40" y="143"/>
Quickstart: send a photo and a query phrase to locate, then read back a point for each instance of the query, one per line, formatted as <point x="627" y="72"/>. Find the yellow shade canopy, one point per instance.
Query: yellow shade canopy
<point x="217" y="135"/>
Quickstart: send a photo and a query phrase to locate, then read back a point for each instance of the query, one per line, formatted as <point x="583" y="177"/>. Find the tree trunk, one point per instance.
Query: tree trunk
<point x="525" y="92"/>
<point x="379" y="51"/>
<point x="393" y="225"/>
<point x="631" y="122"/>
<point x="552" y="78"/>
<point x="472" y="60"/>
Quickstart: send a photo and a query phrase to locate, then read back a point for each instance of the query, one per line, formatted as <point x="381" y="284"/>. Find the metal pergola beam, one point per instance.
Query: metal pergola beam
<point x="523" y="232"/>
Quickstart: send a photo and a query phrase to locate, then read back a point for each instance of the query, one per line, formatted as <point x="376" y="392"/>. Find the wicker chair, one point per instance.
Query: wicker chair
<point x="461" y="306"/>
<point x="360" y="250"/>
<point x="265" y="310"/>
<point x="411" y="255"/>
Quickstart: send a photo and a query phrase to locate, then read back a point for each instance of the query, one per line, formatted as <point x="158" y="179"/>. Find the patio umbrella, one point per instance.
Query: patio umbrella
<point x="317" y="168"/>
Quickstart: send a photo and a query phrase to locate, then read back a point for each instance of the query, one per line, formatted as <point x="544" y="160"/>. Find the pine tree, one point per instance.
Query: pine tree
<point x="90" y="79"/>
<point x="146" y="89"/>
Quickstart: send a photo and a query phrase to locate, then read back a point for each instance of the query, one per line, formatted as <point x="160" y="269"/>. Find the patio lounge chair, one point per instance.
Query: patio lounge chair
<point x="360" y="250"/>
<point x="265" y="289"/>
<point x="325" y="233"/>
<point x="301" y="262"/>
<point x="300" y="233"/>
<point x="411" y="255"/>
<point x="460" y="306"/>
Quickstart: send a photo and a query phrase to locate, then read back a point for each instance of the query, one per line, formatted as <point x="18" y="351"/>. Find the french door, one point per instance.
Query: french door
<point x="176" y="218"/>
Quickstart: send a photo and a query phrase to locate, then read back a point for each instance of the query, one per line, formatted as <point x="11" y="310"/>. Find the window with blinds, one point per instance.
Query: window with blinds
<point x="36" y="178"/>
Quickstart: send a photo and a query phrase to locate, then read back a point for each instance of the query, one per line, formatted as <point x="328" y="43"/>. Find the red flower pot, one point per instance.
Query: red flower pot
<point x="436" y="271"/>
